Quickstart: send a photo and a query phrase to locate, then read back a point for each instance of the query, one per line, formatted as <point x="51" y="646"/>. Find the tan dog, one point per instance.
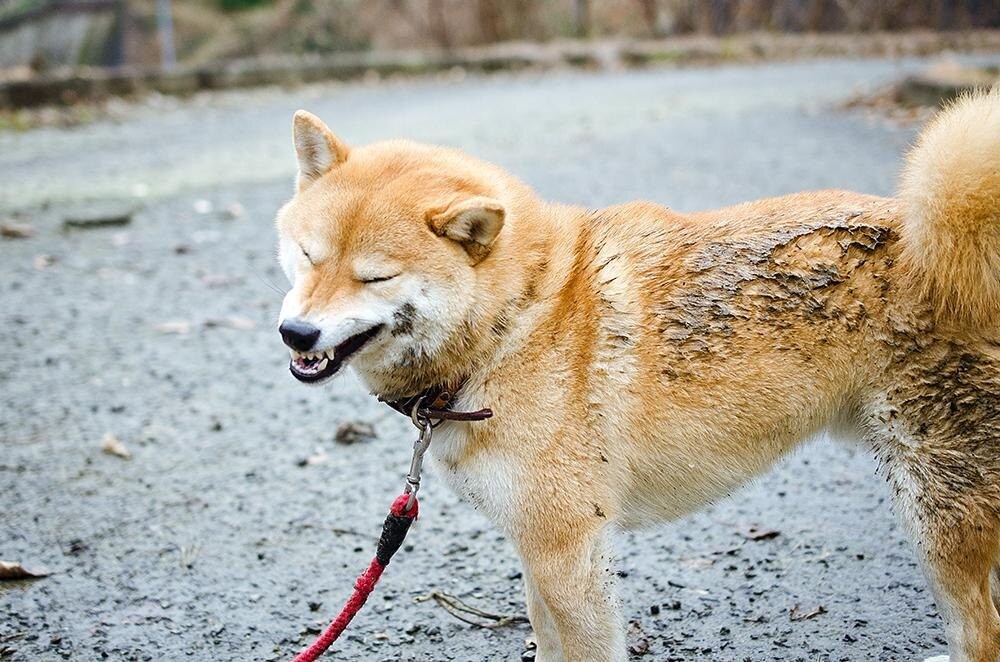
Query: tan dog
<point x="641" y="362"/>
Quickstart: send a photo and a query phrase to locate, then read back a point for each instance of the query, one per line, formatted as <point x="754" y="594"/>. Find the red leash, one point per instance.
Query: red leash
<point x="397" y="522"/>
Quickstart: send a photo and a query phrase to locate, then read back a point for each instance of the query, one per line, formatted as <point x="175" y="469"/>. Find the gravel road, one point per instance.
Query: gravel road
<point x="239" y="523"/>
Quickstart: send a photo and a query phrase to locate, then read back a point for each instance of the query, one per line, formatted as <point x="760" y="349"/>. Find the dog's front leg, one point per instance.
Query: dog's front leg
<point x="571" y="595"/>
<point x="548" y="647"/>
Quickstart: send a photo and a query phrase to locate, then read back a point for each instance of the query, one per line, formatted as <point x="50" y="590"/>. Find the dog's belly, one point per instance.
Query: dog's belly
<point x="682" y="478"/>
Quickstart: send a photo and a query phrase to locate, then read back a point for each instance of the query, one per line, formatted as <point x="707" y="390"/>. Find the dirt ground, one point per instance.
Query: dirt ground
<point x="237" y="526"/>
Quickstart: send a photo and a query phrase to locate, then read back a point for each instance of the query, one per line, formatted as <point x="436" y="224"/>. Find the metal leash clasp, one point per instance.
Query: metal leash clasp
<point x="426" y="427"/>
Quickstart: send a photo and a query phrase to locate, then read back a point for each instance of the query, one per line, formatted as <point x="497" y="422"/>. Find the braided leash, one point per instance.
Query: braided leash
<point x="397" y="523"/>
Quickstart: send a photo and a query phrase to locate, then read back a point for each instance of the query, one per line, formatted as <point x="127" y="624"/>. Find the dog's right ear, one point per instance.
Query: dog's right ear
<point x="317" y="149"/>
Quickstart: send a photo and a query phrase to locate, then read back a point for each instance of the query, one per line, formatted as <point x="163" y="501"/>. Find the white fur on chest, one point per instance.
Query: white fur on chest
<point x="486" y="479"/>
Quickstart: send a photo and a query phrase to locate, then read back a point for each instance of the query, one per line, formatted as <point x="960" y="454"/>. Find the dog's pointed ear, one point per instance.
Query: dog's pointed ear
<point x="472" y="222"/>
<point x="317" y="149"/>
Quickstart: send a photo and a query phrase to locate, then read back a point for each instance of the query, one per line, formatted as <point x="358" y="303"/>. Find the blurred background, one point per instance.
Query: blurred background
<point x="43" y="33"/>
<point x="168" y="491"/>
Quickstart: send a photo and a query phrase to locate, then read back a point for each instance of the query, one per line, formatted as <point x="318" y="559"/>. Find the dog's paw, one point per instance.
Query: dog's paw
<point x="938" y="658"/>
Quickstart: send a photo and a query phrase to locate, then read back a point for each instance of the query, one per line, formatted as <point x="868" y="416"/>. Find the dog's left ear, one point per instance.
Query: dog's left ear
<point x="472" y="222"/>
<point x="316" y="148"/>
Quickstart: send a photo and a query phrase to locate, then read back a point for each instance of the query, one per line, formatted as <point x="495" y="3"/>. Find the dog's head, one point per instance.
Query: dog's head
<point x="383" y="246"/>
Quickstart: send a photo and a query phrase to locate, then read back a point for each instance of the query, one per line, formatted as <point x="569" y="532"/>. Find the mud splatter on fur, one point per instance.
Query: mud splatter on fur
<point x="403" y="319"/>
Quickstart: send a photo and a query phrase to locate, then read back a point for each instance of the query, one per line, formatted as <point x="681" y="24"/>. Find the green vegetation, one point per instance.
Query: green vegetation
<point x="238" y="5"/>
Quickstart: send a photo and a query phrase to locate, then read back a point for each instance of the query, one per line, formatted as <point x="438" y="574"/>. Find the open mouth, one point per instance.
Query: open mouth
<point x="311" y="367"/>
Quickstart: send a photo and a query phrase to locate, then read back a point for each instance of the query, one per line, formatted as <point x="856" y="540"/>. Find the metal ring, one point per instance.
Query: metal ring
<point x="415" y="414"/>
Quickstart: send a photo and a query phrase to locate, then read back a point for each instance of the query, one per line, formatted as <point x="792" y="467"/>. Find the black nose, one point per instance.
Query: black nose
<point x="298" y="334"/>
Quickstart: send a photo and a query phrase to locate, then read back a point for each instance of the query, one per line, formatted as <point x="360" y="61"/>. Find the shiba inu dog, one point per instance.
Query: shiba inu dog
<point x="640" y="362"/>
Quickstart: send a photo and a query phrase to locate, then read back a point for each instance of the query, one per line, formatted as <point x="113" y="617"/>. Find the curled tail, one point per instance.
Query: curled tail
<point x="951" y="228"/>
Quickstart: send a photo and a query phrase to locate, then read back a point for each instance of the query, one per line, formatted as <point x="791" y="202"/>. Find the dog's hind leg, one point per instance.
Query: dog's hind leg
<point x="937" y="429"/>
<point x="958" y="563"/>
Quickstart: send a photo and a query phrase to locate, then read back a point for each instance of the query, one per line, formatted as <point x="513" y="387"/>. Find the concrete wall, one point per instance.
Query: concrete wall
<point x="60" y="37"/>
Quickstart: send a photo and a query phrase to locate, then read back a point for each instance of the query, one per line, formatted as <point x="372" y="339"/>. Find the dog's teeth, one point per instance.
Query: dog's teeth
<point x="322" y="365"/>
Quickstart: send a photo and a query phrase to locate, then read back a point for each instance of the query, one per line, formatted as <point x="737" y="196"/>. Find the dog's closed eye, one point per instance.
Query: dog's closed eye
<point x="375" y="279"/>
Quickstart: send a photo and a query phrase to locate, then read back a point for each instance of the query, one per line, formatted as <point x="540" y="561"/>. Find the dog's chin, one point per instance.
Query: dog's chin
<point x="316" y="368"/>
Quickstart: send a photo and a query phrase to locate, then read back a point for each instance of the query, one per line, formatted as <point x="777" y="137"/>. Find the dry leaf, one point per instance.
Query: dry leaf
<point x="112" y="445"/>
<point x="219" y="280"/>
<point x="13" y="230"/>
<point x="318" y="457"/>
<point x="44" y="261"/>
<point x="13" y="570"/>
<point x="696" y="563"/>
<point x="99" y="218"/>
<point x="797" y="615"/>
<point x="757" y="533"/>
<point x="231" y="322"/>
<point x="233" y="211"/>
<point x="354" y="431"/>
<point x="639" y="648"/>
<point x="175" y="326"/>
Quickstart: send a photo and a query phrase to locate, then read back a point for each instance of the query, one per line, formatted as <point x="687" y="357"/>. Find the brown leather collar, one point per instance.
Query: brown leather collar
<point x="434" y="404"/>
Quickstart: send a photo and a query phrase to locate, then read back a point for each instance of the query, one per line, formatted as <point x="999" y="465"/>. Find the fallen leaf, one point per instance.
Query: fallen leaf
<point x="640" y="645"/>
<point x="44" y="261"/>
<point x="13" y="570"/>
<point x="99" y="218"/>
<point x="757" y="533"/>
<point x="639" y="648"/>
<point x="13" y="230"/>
<point x="695" y="563"/>
<point x="319" y="456"/>
<point x="353" y="432"/>
<point x="175" y="326"/>
<point x="231" y="322"/>
<point x="112" y="445"/>
<point x="797" y="614"/>
<point x="233" y="211"/>
<point x="219" y="280"/>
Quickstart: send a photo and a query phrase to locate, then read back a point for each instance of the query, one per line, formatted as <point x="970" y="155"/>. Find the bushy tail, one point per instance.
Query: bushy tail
<point x="951" y="230"/>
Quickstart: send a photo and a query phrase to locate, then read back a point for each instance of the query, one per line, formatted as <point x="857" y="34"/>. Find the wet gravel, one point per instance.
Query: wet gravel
<point x="239" y="523"/>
